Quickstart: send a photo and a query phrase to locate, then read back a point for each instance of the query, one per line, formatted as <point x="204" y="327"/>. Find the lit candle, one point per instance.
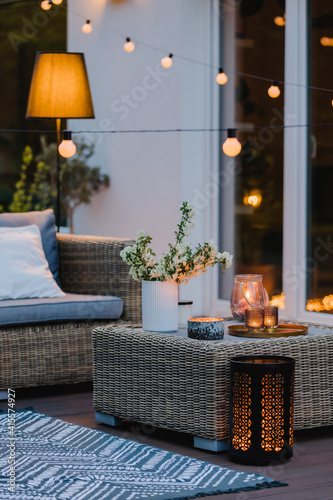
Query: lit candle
<point x="271" y="316"/>
<point x="205" y="328"/>
<point x="254" y="319"/>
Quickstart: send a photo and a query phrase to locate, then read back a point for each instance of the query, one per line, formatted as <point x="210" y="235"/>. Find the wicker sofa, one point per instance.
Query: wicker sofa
<point x="61" y="353"/>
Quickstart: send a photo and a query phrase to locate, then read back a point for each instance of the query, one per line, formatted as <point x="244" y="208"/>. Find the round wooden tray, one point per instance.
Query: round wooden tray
<point x="281" y="331"/>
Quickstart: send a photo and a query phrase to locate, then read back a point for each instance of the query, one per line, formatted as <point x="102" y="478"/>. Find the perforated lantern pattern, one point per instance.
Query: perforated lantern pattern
<point x="242" y="411"/>
<point x="291" y="419"/>
<point x="272" y="421"/>
<point x="261" y="408"/>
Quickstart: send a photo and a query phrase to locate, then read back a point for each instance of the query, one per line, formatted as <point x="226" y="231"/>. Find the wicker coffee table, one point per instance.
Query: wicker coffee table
<point x="171" y="381"/>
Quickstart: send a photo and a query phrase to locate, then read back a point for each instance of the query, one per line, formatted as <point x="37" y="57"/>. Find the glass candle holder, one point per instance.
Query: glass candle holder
<point x="271" y="317"/>
<point x="254" y="319"/>
<point x="248" y="291"/>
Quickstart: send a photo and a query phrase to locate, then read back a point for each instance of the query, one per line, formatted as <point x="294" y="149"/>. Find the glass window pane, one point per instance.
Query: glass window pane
<point x="319" y="292"/>
<point x="258" y="179"/>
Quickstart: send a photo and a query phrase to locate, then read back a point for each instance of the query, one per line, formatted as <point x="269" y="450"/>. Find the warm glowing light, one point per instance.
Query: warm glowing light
<point x="87" y="28"/>
<point x="254" y="198"/>
<point x="274" y="90"/>
<point x="221" y="78"/>
<point x="317" y="305"/>
<point x="129" y="46"/>
<point x="278" y="300"/>
<point x="205" y="320"/>
<point x="46" y="5"/>
<point x="231" y="146"/>
<point x="67" y="148"/>
<point x="167" y="61"/>
<point x="326" y="41"/>
<point x="279" y="21"/>
<point x="57" y="2"/>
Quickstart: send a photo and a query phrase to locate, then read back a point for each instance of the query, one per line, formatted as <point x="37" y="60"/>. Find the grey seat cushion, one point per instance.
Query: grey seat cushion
<point x="45" y="220"/>
<point x="71" y="307"/>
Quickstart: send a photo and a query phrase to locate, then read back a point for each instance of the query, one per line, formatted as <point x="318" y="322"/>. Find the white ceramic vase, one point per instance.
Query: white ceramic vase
<point x="159" y="306"/>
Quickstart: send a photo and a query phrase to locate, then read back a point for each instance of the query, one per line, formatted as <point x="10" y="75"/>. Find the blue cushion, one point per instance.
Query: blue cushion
<point x="71" y="307"/>
<point x="45" y="220"/>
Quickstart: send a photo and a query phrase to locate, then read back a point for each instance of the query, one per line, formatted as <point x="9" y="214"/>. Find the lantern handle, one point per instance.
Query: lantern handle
<point x="242" y="286"/>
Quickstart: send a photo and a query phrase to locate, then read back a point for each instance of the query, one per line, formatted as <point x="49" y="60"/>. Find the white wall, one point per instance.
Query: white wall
<point x="150" y="173"/>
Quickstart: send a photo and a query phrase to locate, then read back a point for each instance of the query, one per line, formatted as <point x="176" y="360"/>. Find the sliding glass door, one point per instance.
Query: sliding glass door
<point x="275" y="205"/>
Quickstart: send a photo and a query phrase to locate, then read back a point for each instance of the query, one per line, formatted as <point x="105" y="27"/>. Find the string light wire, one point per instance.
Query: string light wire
<point x="170" y="130"/>
<point x="202" y="63"/>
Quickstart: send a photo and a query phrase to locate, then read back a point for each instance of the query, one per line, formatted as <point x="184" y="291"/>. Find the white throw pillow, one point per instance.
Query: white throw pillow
<point x="24" y="271"/>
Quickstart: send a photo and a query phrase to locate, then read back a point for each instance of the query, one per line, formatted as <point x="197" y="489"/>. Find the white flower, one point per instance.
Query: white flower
<point x="187" y="232"/>
<point x="229" y="261"/>
<point x="140" y="234"/>
<point x="191" y="208"/>
<point x="125" y="252"/>
<point x="155" y="274"/>
<point x="133" y="273"/>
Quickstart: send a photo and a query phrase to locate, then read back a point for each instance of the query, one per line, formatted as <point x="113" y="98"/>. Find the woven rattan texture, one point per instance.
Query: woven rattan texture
<point x="183" y="384"/>
<point x="92" y="265"/>
<point x="49" y="354"/>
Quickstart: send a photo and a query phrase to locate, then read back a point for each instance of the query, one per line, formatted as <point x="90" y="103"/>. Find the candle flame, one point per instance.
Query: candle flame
<point x="205" y="320"/>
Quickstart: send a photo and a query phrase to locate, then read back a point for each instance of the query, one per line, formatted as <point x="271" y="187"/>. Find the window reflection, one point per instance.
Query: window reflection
<point x="320" y="170"/>
<point x="258" y="183"/>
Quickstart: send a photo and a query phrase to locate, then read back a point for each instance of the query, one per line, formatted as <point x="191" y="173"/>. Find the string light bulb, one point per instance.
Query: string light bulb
<point x="274" y="90"/>
<point x="67" y="148"/>
<point x="167" y="61"/>
<point x="87" y="28"/>
<point x="129" y="46"/>
<point x="231" y="146"/>
<point x="46" y="4"/>
<point x="221" y="78"/>
<point x="57" y="2"/>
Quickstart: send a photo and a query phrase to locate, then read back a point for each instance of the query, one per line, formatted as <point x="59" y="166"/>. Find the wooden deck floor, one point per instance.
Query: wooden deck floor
<point x="309" y="473"/>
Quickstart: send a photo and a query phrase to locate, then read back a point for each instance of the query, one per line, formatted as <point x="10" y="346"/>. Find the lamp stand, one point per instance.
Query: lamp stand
<point x="58" y="175"/>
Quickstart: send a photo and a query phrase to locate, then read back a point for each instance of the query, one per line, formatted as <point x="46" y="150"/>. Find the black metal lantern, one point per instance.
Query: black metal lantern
<point x="261" y="408"/>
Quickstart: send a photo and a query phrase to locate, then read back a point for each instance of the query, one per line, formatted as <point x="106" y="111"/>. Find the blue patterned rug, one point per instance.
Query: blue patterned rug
<point x="55" y="460"/>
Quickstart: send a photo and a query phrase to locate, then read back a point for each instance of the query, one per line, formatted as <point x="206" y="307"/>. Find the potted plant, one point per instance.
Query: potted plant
<point x="79" y="182"/>
<point x="160" y="277"/>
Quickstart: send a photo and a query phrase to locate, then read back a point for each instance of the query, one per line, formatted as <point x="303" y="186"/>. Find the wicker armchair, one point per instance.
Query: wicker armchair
<point x="49" y="354"/>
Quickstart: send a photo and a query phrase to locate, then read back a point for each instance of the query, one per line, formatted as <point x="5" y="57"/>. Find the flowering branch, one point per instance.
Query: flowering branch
<point x="180" y="263"/>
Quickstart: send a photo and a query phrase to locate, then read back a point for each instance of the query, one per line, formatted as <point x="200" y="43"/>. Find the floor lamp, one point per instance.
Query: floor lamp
<point x="59" y="89"/>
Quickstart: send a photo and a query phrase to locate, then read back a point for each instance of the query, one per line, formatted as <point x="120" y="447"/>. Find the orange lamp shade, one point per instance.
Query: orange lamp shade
<point x="60" y="87"/>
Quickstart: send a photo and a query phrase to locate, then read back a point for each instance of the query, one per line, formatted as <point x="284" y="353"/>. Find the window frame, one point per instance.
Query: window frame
<point x="296" y="263"/>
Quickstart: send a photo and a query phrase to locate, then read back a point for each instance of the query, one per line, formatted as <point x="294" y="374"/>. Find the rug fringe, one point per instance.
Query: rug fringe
<point x="260" y="486"/>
